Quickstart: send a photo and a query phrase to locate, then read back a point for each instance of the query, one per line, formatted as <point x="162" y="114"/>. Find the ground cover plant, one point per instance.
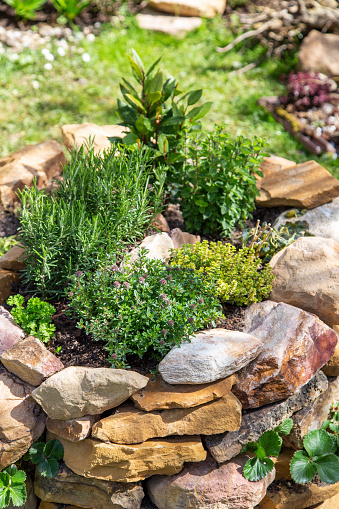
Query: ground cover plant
<point x="146" y="306"/>
<point x="238" y="276"/>
<point x="103" y="204"/>
<point x="12" y="487"/>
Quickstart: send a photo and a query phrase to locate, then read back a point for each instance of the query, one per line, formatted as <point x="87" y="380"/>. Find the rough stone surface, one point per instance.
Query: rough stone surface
<point x="130" y="463"/>
<point x="312" y="416"/>
<point x="211" y="355"/>
<point x="30" y="360"/>
<point x="13" y="259"/>
<point x="159" y="395"/>
<point x="9" y="332"/>
<point x="78" y="391"/>
<point x="7" y="277"/>
<point x="282" y="464"/>
<point x="280" y="496"/>
<point x="330" y="503"/>
<point x="77" y="135"/>
<point x="322" y="221"/>
<point x="132" y="426"/>
<point x="204" y="485"/>
<point x="332" y="367"/>
<point x="21" y="420"/>
<point x="31" y="501"/>
<point x="181" y="238"/>
<point x="296" y="344"/>
<point x="43" y="161"/>
<point x="225" y="446"/>
<point x="70" y="488"/>
<point x="161" y="223"/>
<point x="203" y="8"/>
<point x="150" y="19"/>
<point x="307" y="276"/>
<point x="304" y="185"/>
<point x="320" y="53"/>
<point x="159" y="247"/>
<point x="73" y="429"/>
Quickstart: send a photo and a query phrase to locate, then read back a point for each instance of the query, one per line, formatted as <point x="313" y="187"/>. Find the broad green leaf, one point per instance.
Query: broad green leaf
<point x="136" y="101"/>
<point x="143" y="125"/>
<point x="201" y="202"/>
<point x="163" y="144"/>
<point x="18" y="494"/>
<point x="153" y="66"/>
<point x="155" y="84"/>
<point x="256" y="468"/>
<point x="36" y="452"/>
<point x="136" y="68"/>
<point x="271" y="443"/>
<point x="172" y="121"/>
<point x="318" y="442"/>
<point x="130" y="139"/>
<point x="284" y="428"/>
<point x="328" y="468"/>
<point x="54" y="449"/>
<point x="18" y="478"/>
<point x="194" y="97"/>
<point x="199" y="111"/>
<point x="154" y="97"/>
<point x="130" y="87"/>
<point x="302" y="469"/>
<point x="5" y="497"/>
<point x="138" y="60"/>
<point x="48" y="467"/>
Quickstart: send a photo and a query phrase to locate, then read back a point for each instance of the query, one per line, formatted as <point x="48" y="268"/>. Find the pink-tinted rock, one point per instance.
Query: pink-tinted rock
<point x="9" y="332"/>
<point x="203" y="485"/>
<point x="161" y="224"/>
<point x="30" y="360"/>
<point x="181" y="238"/>
<point x="22" y="421"/>
<point x="296" y="344"/>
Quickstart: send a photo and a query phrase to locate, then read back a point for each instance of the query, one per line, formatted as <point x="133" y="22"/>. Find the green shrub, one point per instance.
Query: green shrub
<point x="70" y="9"/>
<point x="238" y="276"/>
<point x="25" y="9"/>
<point x="6" y="243"/>
<point x="147" y="306"/>
<point x="35" y="318"/>
<point x="103" y="204"/>
<point x="12" y="487"/>
<point x="46" y="456"/>
<point x="217" y="183"/>
<point x="159" y="112"/>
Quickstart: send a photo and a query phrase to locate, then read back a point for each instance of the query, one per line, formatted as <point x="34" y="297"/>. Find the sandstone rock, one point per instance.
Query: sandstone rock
<point x="76" y="135"/>
<point x="304" y="185"/>
<point x="296" y="344"/>
<point x="21" y="420"/>
<point x="13" y="259"/>
<point x="159" y="395"/>
<point x="78" y="391"/>
<point x="320" y="53"/>
<point x="281" y="496"/>
<point x="272" y="165"/>
<point x="322" y="221"/>
<point x="30" y="360"/>
<point x="9" y="332"/>
<point x="73" y="429"/>
<point x="181" y="238"/>
<point x="332" y="367"/>
<point x="312" y="416"/>
<point x="51" y="505"/>
<point x="43" y="161"/>
<point x="330" y="503"/>
<point x="282" y="464"/>
<point x="203" y="8"/>
<point x="130" y="463"/>
<point x="132" y="426"/>
<point x="306" y="275"/>
<point x="70" y="488"/>
<point x="204" y="485"/>
<point x="150" y="19"/>
<point x="225" y="446"/>
<point x="7" y="277"/>
<point x="159" y="247"/>
<point x="211" y="355"/>
<point x="161" y="223"/>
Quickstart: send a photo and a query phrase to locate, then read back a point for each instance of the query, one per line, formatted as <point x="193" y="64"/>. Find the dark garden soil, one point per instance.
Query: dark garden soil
<point x="9" y="223"/>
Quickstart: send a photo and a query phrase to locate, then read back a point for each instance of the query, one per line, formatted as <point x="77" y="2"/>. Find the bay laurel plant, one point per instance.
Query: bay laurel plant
<point x="217" y="181"/>
<point x="144" y="307"/>
<point x="238" y="277"/>
<point x="104" y="203"/>
<point x="157" y="111"/>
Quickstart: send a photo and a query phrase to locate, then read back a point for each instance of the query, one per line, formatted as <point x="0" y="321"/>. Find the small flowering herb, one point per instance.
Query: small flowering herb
<point x="140" y="318"/>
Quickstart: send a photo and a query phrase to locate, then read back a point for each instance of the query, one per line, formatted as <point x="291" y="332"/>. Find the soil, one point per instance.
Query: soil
<point x="9" y="223"/>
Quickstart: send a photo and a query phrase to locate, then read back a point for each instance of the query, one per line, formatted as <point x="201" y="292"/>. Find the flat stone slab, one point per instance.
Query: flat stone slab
<point x="305" y="185"/>
<point x="159" y="395"/>
<point x="10" y="333"/>
<point x="13" y="259"/>
<point x="73" y="429"/>
<point x="204" y="8"/>
<point x="78" y="391"/>
<point x="211" y="355"/>
<point x="78" y="135"/>
<point x="280" y="496"/>
<point x="131" y="426"/>
<point x="150" y="19"/>
<point x="296" y="344"/>
<point x="225" y="446"/>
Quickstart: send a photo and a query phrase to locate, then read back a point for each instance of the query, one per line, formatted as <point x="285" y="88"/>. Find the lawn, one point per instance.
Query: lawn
<point x="36" y="101"/>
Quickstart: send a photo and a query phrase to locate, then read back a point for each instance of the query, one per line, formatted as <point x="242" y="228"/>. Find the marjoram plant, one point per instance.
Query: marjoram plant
<point x="217" y="182"/>
<point x="157" y="113"/>
<point x="146" y="306"/>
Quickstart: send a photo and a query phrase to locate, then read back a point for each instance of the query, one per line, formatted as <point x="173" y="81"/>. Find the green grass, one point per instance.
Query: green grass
<point x="75" y="92"/>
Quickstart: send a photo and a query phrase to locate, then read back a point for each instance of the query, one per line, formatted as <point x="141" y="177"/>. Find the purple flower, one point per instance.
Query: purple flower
<point x="201" y="301"/>
<point x="170" y="323"/>
<point x="162" y="342"/>
<point x="163" y="281"/>
<point x="141" y="279"/>
<point x="120" y="317"/>
<point x="164" y="331"/>
<point x="70" y="294"/>
<point x="79" y="273"/>
<point x="116" y="284"/>
<point x="167" y="302"/>
<point x="126" y="284"/>
<point x="116" y="331"/>
<point x="163" y="296"/>
<point x="115" y="268"/>
<point x="192" y="306"/>
<point x="169" y="277"/>
<point x="190" y="320"/>
<point x="114" y="356"/>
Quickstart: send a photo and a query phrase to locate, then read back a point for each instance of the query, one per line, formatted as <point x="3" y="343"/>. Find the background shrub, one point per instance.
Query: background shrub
<point x="147" y="306"/>
<point x="6" y="243"/>
<point x="103" y="204"/>
<point x="238" y="276"/>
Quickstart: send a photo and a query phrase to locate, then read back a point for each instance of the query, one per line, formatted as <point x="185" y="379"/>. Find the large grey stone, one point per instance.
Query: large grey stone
<point x="10" y="333"/>
<point x="296" y="344"/>
<point x="211" y="355"/>
<point x="77" y="391"/>
<point x="227" y="445"/>
<point x="70" y="488"/>
<point x="322" y="221"/>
